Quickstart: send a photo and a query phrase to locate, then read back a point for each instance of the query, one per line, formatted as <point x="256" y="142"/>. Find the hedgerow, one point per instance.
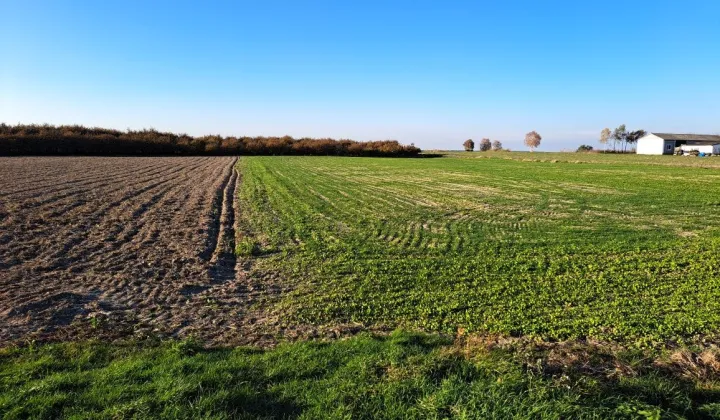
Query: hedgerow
<point x="78" y="140"/>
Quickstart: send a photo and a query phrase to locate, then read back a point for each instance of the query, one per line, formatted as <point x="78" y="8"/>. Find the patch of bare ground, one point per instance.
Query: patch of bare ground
<point x="124" y="247"/>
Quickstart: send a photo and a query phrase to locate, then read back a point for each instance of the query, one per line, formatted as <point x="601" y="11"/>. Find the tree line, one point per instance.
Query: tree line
<point x="532" y="141"/>
<point x="64" y="140"/>
<point x="620" y="135"/>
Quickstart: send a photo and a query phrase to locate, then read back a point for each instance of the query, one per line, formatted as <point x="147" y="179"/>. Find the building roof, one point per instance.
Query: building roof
<point x="706" y="138"/>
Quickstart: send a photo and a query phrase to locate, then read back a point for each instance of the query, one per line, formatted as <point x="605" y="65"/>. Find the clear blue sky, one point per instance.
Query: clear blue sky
<point x="432" y="73"/>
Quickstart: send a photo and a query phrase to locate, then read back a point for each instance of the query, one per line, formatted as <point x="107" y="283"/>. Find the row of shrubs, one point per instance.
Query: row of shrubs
<point x="66" y="140"/>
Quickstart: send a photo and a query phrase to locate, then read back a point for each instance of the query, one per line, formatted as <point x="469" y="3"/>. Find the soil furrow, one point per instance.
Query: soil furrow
<point x="215" y="224"/>
<point x="93" y="178"/>
<point x="117" y="185"/>
<point x="223" y="258"/>
<point x="140" y="216"/>
<point x="123" y="249"/>
<point x="59" y="192"/>
<point x="42" y="181"/>
<point x="92" y="214"/>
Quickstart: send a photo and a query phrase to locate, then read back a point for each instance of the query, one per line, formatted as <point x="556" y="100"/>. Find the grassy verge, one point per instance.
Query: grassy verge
<point x="404" y="375"/>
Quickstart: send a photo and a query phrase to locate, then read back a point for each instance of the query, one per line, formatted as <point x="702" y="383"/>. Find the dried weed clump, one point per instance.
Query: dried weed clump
<point x="702" y="365"/>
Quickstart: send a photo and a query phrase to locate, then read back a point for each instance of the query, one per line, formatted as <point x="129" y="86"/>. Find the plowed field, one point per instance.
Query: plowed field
<point x="117" y="246"/>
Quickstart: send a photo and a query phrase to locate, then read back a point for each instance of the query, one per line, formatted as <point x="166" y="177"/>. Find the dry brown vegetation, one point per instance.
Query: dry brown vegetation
<point x="598" y="359"/>
<point x="485" y="145"/>
<point x="532" y="140"/>
<point x="70" y="140"/>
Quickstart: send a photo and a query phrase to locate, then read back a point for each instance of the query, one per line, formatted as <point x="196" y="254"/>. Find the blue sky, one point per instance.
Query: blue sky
<point x="432" y="73"/>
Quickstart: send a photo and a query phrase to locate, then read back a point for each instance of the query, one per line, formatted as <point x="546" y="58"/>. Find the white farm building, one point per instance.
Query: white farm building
<point x="665" y="143"/>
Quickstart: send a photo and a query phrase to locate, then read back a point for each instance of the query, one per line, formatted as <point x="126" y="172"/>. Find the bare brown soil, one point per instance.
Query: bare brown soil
<point x="118" y="247"/>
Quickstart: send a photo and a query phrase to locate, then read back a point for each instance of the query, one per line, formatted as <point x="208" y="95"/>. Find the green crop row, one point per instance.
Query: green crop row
<point x="614" y="250"/>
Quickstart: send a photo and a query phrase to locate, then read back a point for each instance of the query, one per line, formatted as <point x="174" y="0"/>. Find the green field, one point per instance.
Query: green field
<point x="609" y="158"/>
<point x="613" y="249"/>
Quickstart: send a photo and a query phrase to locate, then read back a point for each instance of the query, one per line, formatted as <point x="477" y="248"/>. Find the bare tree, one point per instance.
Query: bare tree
<point x="469" y="145"/>
<point x="532" y="140"/>
<point x="605" y="136"/>
<point x="496" y="145"/>
<point x="485" y="145"/>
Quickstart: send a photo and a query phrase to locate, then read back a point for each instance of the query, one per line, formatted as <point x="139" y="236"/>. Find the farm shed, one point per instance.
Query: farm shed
<point x="665" y="143"/>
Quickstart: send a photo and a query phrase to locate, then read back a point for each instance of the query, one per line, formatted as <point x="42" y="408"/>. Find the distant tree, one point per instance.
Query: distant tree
<point x="619" y="135"/>
<point x="496" y="145"/>
<point x="605" y="136"/>
<point x="532" y="140"/>
<point x="633" y="136"/>
<point x="469" y="145"/>
<point x="584" y="148"/>
<point x="485" y="145"/>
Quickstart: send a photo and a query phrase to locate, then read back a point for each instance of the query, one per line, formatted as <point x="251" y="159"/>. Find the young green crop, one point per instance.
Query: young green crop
<point x="612" y="249"/>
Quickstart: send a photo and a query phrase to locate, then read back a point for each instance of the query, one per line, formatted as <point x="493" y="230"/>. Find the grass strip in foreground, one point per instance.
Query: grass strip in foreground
<point x="404" y="375"/>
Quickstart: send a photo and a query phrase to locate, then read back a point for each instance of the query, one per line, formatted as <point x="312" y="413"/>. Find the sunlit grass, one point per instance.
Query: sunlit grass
<point x="400" y="376"/>
<point x="614" y="250"/>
